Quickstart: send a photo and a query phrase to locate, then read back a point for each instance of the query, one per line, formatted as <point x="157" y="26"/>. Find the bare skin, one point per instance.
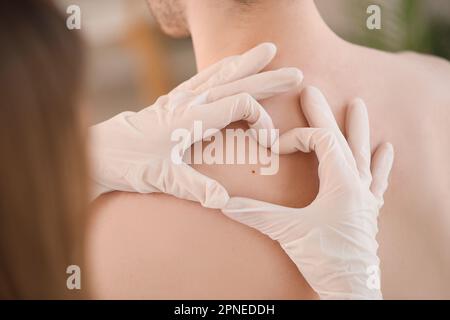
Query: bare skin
<point x="156" y="246"/>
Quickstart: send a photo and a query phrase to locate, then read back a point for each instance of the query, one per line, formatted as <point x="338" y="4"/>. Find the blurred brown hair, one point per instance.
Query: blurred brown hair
<point x="43" y="191"/>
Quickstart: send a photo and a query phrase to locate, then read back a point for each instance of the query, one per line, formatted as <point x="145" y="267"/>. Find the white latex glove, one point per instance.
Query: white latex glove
<point x="332" y="241"/>
<point x="134" y="151"/>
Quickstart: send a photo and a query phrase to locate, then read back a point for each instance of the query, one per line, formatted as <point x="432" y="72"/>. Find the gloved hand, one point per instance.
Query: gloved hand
<point x="134" y="151"/>
<point x="332" y="241"/>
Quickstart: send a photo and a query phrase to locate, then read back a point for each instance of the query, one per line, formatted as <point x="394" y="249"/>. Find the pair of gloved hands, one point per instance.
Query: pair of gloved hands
<point x="332" y="241"/>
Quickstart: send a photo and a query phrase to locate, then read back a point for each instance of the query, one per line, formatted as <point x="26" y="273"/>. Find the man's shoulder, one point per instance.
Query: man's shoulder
<point x="407" y="74"/>
<point x="426" y="60"/>
<point x="425" y="78"/>
<point x="431" y="72"/>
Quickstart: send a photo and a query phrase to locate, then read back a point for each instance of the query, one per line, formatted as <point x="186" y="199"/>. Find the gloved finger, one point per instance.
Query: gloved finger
<point x="251" y="62"/>
<point x="179" y="180"/>
<point x="260" y="86"/>
<point x="270" y="219"/>
<point x="332" y="163"/>
<point x="318" y="113"/>
<point x="320" y="140"/>
<point x="219" y="114"/>
<point x="382" y="162"/>
<point x="189" y="184"/>
<point x="358" y="137"/>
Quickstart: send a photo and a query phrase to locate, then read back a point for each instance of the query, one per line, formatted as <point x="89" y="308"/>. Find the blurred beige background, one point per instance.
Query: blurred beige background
<point x="131" y="63"/>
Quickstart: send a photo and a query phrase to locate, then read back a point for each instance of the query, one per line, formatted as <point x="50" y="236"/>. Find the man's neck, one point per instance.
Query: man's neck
<point x="221" y="29"/>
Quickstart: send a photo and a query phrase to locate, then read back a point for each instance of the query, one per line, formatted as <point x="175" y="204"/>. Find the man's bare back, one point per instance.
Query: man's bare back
<point x="156" y="246"/>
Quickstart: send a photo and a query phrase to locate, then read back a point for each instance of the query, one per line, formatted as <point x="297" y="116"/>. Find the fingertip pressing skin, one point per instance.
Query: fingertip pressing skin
<point x="358" y="107"/>
<point x="235" y="67"/>
<point x="382" y="162"/>
<point x="261" y="86"/>
<point x="315" y="108"/>
<point x="254" y="60"/>
<point x="270" y="49"/>
<point x="296" y="74"/>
